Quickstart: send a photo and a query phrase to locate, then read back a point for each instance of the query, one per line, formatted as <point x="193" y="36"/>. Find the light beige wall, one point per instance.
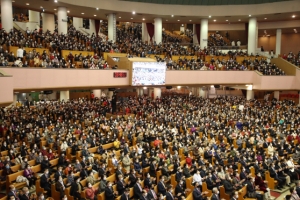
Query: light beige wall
<point x="6" y="90"/>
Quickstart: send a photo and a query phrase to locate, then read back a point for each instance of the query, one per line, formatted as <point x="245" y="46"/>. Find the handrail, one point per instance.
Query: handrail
<point x="16" y="26"/>
<point x="84" y="31"/>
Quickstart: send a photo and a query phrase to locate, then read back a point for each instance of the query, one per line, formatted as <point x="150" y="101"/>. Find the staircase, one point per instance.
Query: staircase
<point x="16" y="26"/>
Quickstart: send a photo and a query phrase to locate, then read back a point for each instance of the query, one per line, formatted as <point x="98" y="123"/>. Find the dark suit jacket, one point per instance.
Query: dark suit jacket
<point x="150" y="195"/>
<point x="109" y="194"/>
<point x="210" y="184"/>
<point x="197" y="194"/>
<point x="24" y="197"/>
<point x="59" y="188"/>
<point x="169" y="196"/>
<point x="214" y="197"/>
<point x="298" y="190"/>
<point x="228" y="186"/>
<point x="124" y="197"/>
<point x="74" y="189"/>
<point x="250" y="187"/>
<point x="44" y="182"/>
<point x="273" y="173"/>
<point x="133" y="180"/>
<point x="138" y="193"/>
<point x="161" y="188"/>
<point x="121" y="187"/>
<point x="11" y="194"/>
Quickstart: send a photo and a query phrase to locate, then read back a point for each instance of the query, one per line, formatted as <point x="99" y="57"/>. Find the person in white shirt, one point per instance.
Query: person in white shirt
<point x="197" y="178"/>
<point x="233" y="43"/>
<point x="20" y="52"/>
<point x="293" y="168"/>
<point x="238" y="43"/>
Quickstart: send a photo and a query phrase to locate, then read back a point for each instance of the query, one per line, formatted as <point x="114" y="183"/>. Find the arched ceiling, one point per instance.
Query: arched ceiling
<point x="206" y="2"/>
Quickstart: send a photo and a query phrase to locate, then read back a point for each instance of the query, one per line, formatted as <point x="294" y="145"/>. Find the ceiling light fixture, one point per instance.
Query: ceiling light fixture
<point x="226" y="20"/>
<point x="249" y="15"/>
<point x="144" y="19"/>
<point x="54" y="8"/>
<point x="295" y="30"/>
<point x="190" y="20"/>
<point x="166" y="20"/>
<point x="131" y="18"/>
<point x="27" y="4"/>
<point x="239" y="20"/>
<point x="215" y="20"/>
<point x="55" y="1"/>
<point x="209" y="16"/>
<point x="119" y="17"/>
<point x="172" y="15"/>
<point x="178" y="20"/>
<point x="95" y="15"/>
<point x="266" y="18"/>
<point x="133" y="12"/>
<point x="82" y="13"/>
<point x="68" y="11"/>
<point x="293" y="16"/>
<point x="97" y="8"/>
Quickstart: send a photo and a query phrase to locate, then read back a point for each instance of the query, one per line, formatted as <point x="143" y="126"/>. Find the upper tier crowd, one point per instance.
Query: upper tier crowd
<point x="173" y="147"/>
<point x="128" y="41"/>
<point x="292" y="58"/>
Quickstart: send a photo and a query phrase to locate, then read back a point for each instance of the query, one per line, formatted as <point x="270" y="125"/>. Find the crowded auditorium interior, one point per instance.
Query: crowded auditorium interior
<point x="150" y="100"/>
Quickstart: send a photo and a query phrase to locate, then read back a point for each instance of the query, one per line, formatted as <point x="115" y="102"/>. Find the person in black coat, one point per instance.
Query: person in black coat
<point x="148" y="181"/>
<point x="161" y="187"/>
<point x="109" y="192"/>
<point x="153" y="168"/>
<point x="45" y="164"/>
<point x="121" y="186"/>
<point x="125" y="195"/>
<point x="45" y="182"/>
<point x="197" y="193"/>
<point x="138" y="190"/>
<point x="74" y="191"/>
<point x="180" y="190"/>
<point x="132" y="178"/>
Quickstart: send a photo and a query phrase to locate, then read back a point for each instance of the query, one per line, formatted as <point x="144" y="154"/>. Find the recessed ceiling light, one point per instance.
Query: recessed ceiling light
<point x="166" y="20"/>
<point x="239" y="20"/>
<point x="68" y="11"/>
<point x="172" y="15"/>
<point x="55" y="1"/>
<point x="95" y="15"/>
<point x="293" y="16"/>
<point x="215" y="20"/>
<point x="178" y="20"/>
<point x="32" y="91"/>
<point x="226" y="20"/>
<point x="143" y="18"/>
<point x="131" y="18"/>
<point x="82" y="13"/>
<point x="27" y="4"/>
<point x="266" y="18"/>
<point x="133" y="12"/>
<point x="190" y="20"/>
<point x="41" y="6"/>
<point x="249" y="15"/>
<point x="119" y="17"/>
<point x="97" y="8"/>
<point x="209" y="16"/>
<point x="54" y="8"/>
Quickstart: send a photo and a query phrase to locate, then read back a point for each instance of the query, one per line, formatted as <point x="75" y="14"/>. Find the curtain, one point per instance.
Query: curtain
<point x="150" y="29"/>
<point x="198" y="32"/>
<point x="97" y="26"/>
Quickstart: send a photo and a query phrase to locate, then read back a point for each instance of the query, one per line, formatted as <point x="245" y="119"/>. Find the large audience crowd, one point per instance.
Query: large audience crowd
<point x="197" y="146"/>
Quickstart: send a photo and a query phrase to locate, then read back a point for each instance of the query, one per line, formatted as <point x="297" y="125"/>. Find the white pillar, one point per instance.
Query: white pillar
<point x="92" y="27"/>
<point x="62" y="20"/>
<point x="97" y="93"/>
<point x="250" y="94"/>
<point x="158" y="30"/>
<point x="112" y="27"/>
<point x="110" y="94"/>
<point x="34" y="16"/>
<point x="157" y="93"/>
<point x="144" y="32"/>
<point x="276" y="95"/>
<point x="77" y="22"/>
<point x="64" y="95"/>
<point x="141" y="92"/>
<point x="195" y="39"/>
<point x="203" y="33"/>
<point x="6" y="15"/>
<point x="48" y="22"/>
<point x="202" y="92"/>
<point x="252" y="36"/>
<point x="278" y="42"/>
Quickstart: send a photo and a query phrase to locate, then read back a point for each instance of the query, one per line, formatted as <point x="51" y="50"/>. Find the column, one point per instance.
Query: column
<point x="144" y="32"/>
<point x="158" y="30"/>
<point x="34" y="16"/>
<point x="64" y="95"/>
<point x="276" y="95"/>
<point x="203" y="33"/>
<point x="278" y="42"/>
<point x="77" y="23"/>
<point x="62" y="20"/>
<point x="110" y="94"/>
<point x="92" y="27"/>
<point x="141" y="92"/>
<point x="157" y="93"/>
<point x="97" y="93"/>
<point x="48" y="22"/>
<point x="6" y="15"/>
<point x="195" y="39"/>
<point x="250" y="94"/>
<point x="252" y="36"/>
<point x="202" y="92"/>
<point x="112" y="27"/>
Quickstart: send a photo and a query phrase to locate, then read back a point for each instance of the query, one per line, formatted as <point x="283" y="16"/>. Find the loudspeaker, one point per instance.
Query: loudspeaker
<point x="169" y="87"/>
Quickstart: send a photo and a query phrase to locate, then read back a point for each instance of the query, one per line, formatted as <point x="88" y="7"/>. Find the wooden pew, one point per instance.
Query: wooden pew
<point x="223" y="194"/>
<point x="272" y="183"/>
<point x="243" y="192"/>
<point x="204" y="188"/>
